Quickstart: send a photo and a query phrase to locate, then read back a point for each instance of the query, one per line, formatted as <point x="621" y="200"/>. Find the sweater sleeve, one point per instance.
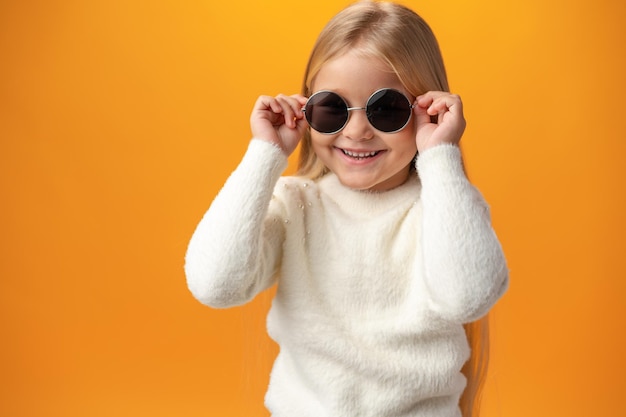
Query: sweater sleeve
<point x="235" y="250"/>
<point x="465" y="269"/>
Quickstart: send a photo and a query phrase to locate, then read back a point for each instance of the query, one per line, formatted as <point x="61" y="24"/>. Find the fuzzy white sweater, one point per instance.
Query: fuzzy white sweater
<point x="373" y="288"/>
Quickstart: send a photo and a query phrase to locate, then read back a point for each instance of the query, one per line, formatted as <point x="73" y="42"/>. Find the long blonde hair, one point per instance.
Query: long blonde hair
<point x="402" y="39"/>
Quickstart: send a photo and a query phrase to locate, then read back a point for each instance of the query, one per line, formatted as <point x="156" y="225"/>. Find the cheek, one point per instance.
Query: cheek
<point x="406" y="139"/>
<point x="407" y="149"/>
<point x="411" y="127"/>
<point x="409" y="133"/>
<point x="321" y="143"/>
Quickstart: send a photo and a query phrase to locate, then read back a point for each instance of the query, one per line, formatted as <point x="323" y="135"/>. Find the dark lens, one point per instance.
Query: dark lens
<point x="326" y="112"/>
<point x="388" y="110"/>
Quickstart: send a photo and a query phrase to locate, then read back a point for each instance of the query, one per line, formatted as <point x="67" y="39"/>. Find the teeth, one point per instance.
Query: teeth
<point x="359" y="154"/>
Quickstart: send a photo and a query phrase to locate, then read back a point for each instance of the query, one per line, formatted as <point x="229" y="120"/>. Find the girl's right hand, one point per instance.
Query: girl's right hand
<point x="279" y="120"/>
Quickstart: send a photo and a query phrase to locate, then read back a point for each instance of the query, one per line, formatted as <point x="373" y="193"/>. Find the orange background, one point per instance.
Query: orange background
<point x="120" y="120"/>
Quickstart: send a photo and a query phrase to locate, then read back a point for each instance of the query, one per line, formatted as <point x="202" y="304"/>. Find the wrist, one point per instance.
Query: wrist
<point x="442" y="161"/>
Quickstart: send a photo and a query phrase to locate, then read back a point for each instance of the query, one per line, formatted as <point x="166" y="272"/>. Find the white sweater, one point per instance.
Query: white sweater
<point x="373" y="287"/>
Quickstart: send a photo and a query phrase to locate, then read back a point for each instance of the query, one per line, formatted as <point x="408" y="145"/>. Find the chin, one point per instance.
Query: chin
<point x="359" y="184"/>
<point x="373" y="184"/>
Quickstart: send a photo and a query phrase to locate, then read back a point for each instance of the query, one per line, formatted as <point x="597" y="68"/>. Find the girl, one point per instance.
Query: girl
<point x="380" y="247"/>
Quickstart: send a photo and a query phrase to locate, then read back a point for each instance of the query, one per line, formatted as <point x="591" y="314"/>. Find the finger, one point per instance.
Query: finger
<point x="275" y="105"/>
<point x="427" y="99"/>
<point x="297" y="102"/>
<point x="431" y="97"/>
<point x="450" y="102"/>
<point x="292" y="108"/>
<point x="266" y="108"/>
<point x="301" y="100"/>
<point x="421" y="115"/>
<point x="289" y="109"/>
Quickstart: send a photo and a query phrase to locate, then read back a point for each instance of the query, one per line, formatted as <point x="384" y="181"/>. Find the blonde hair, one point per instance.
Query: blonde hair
<point x="399" y="37"/>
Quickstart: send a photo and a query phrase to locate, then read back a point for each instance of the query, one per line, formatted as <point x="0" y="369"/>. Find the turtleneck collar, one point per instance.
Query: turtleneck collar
<point x="364" y="203"/>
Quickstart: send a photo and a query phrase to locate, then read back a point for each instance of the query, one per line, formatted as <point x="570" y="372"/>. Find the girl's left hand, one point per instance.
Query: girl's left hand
<point x="447" y="110"/>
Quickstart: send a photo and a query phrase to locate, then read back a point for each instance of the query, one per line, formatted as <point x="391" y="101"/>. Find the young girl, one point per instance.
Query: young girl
<point x="380" y="248"/>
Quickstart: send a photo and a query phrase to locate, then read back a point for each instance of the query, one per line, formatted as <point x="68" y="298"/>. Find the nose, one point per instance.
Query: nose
<point x="358" y="128"/>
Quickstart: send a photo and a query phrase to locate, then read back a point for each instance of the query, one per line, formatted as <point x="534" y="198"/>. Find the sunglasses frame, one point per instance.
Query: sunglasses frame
<point x="367" y="103"/>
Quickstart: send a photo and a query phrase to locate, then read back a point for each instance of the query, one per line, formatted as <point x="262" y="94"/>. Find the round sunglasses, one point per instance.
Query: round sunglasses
<point x="387" y="110"/>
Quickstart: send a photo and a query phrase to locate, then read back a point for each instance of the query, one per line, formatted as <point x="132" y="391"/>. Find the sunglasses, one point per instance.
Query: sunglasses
<point x="387" y="110"/>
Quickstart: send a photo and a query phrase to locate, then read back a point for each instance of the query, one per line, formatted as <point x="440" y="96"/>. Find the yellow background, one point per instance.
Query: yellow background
<point x="120" y="120"/>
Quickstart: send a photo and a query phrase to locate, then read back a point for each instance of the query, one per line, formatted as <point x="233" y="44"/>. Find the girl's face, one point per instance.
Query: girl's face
<point x="385" y="157"/>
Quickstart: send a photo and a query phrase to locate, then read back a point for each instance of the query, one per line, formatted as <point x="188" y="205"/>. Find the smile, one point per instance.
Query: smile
<point x="360" y="155"/>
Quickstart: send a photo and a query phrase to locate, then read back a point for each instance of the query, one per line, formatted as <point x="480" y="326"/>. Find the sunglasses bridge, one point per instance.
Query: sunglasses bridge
<point x="356" y="108"/>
